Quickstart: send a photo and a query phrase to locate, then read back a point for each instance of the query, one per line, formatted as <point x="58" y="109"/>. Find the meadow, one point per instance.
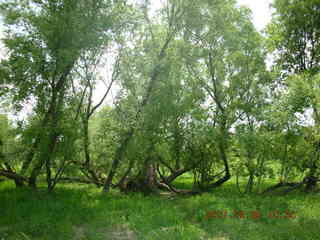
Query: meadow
<point x="82" y="212"/>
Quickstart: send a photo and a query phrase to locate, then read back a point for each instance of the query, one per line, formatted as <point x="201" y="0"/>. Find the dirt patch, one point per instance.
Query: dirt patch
<point x="79" y="233"/>
<point x="116" y="232"/>
<point x="119" y="232"/>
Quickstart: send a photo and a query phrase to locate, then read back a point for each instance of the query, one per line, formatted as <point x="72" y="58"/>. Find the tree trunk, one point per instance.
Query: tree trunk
<point x="117" y="159"/>
<point x="45" y="158"/>
<point x="87" y="165"/>
<point x="19" y="180"/>
<point x="227" y="176"/>
<point x="177" y="174"/>
<point x="146" y="181"/>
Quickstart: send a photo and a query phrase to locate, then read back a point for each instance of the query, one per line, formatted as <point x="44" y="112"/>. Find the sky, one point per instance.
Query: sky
<point x="261" y="16"/>
<point x="261" y="11"/>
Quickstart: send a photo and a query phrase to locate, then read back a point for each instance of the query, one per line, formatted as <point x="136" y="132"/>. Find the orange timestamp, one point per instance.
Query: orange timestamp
<point x="240" y="214"/>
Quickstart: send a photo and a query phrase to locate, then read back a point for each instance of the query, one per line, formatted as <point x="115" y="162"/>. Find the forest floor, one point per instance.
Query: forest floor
<point x="75" y="212"/>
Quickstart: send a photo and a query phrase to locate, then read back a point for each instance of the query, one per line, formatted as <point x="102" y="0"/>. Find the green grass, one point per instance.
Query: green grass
<point x="83" y="213"/>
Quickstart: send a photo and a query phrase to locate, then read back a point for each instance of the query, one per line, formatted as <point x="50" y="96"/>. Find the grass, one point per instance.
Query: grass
<point x="75" y="212"/>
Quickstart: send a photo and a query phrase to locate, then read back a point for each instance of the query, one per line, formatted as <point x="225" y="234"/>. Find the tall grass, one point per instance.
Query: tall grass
<point x="83" y="212"/>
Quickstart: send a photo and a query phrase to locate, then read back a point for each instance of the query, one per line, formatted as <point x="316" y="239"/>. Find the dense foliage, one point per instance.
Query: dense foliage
<point x="194" y="95"/>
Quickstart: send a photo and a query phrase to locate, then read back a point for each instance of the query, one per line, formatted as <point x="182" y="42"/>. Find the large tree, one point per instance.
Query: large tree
<point x="226" y="59"/>
<point x="46" y="40"/>
<point x="294" y="39"/>
<point x="149" y="63"/>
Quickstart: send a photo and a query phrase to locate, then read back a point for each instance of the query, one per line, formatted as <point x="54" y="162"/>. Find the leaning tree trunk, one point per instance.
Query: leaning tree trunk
<point x="117" y="159"/>
<point x="223" y="154"/>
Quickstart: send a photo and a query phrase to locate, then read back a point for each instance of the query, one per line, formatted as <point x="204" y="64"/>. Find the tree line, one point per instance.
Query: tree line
<point x="195" y="96"/>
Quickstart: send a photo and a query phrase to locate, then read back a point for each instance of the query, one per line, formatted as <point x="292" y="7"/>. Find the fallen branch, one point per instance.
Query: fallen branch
<point x="14" y="176"/>
<point x="172" y="189"/>
<point x="284" y="184"/>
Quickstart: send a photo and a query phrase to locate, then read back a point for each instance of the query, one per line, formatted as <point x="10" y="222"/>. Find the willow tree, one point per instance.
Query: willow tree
<point x="226" y="58"/>
<point x="45" y="41"/>
<point x="149" y="64"/>
<point x="295" y="43"/>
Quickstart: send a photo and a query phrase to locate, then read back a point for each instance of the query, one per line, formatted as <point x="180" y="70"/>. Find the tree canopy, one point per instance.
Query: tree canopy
<point x="194" y="96"/>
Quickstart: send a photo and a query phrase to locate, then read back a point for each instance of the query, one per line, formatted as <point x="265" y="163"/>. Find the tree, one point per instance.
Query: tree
<point x="227" y="61"/>
<point x="150" y="75"/>
<point x="296" y="41"/>
<point x="296" y="44"/>
<point x="46" y="40"/>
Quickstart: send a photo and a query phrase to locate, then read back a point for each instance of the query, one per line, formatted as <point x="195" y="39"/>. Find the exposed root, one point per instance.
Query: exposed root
<point x="308" y="185"/>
